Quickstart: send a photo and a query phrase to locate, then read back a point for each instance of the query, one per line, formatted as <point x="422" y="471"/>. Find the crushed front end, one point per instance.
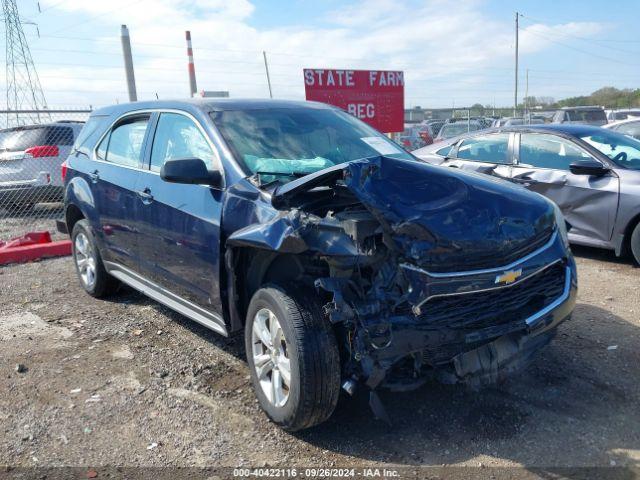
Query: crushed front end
<point x="427" y="273"/>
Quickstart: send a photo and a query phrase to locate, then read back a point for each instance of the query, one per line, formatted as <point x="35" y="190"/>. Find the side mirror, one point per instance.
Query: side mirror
<point x="588" y="167"/>
<point x="190" y="171"/>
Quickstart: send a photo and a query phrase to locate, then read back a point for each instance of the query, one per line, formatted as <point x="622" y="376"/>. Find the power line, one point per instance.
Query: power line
<point x="584" y="39"/>
<point x="595" y="55"/>
<point x="55" y="5"/>
<point x="94" y="17"/>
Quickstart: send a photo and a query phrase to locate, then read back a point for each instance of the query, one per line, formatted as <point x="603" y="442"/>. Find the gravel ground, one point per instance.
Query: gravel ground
<point x="19" y="221"/>
<point x="127" y="382"/>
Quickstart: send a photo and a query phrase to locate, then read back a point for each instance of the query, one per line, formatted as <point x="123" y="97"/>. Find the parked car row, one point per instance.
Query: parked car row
<point x="591" y="173"/>
<point x="346" y="262"/>
<point x="626" y="123"/>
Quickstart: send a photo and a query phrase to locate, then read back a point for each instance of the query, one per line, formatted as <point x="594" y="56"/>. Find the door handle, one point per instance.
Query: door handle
<point x="94" y="176"/>
<point x="526" y="180"/>
<point x="145" y="195"/>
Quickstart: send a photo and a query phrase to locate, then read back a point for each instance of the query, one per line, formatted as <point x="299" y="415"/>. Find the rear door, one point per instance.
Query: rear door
<point x="179" y="241"/>
<point x="490" y="154"/>
<point x="113" y="178"/>
<point x="589" y="203"/>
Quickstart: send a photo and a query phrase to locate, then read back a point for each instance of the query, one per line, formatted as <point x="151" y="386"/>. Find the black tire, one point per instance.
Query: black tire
<point x="635" y="243"/>
<point x="312" y="351"/>
<point x="104" y="284"/>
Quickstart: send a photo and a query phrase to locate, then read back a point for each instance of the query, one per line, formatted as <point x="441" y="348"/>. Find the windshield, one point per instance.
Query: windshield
<point x="455" y="129"/>
<point x="623" y="150"/>
<point x="588" y="116"/>
<point x="290" y="142"/>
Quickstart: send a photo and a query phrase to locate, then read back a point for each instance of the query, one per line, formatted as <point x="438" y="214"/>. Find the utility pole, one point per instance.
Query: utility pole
<point x="266" y="68"/>
<point x="24" y="91"/>
<point x="515" y="91"/>
<point x="128" y="63"/>
<point x="526" y="96"/>
<point x="193" y="89"/>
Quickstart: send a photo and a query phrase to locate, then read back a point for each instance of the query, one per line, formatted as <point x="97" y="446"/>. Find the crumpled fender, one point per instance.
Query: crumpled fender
<point x="280" y="234"/>
<point x="250" y="220"/>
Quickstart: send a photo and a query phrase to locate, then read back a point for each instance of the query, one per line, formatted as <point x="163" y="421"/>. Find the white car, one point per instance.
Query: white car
<point x="630" y="127"/>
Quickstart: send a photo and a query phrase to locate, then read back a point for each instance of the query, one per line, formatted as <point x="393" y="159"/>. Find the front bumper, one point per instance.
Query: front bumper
<point x="473" y="352"/>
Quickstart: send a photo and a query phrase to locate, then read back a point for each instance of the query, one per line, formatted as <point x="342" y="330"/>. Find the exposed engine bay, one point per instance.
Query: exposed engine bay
<point x="405" y="257"/>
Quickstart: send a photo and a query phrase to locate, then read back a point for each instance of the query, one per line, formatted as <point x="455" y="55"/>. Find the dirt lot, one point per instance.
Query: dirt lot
<point x="128" y="382"/>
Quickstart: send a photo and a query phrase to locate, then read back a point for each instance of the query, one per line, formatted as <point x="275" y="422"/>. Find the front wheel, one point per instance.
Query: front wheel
<point x="293" y="357"/>
<point x="635" y="243"/>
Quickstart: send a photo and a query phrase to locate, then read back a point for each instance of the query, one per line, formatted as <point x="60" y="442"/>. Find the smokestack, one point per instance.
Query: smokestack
<point x="192" y="69"/>
<point x="128" y="63"/>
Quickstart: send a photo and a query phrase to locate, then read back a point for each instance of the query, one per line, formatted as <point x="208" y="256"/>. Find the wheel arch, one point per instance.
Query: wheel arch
<point x="248" y="269"/>
<point x="71" y="216"/>
<point x="628" y="231"/>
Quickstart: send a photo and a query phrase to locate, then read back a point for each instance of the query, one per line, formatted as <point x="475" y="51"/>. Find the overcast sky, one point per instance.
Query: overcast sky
<point x="452" y="52"/>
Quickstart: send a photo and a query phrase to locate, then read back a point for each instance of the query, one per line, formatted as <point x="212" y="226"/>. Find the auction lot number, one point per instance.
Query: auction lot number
<point x="315" y="472"/>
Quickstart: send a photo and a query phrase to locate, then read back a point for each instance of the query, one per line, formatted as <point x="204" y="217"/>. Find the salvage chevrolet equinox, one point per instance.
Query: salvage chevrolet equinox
<point x="347" y="262"/>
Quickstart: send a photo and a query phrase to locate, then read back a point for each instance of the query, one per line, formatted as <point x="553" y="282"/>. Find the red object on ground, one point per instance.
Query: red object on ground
<point x="374" y="96"/>
<point x="32" y="246"/>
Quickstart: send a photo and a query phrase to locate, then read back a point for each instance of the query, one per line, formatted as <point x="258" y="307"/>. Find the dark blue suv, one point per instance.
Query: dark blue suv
<point x="346" y="261"/>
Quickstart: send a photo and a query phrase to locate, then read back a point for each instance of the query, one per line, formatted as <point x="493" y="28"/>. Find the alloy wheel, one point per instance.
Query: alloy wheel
<point x="85" y="260"/>
<point x="271" y="357"/>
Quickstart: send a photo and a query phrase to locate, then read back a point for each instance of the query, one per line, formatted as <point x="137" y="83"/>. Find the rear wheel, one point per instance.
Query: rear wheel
<point x="91" y="272"/>
<point x="635" y="243"/>
<point x="293" y="357"/>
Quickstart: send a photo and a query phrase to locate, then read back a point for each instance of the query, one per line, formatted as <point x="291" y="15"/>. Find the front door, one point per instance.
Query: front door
<point x="589" y="203"/>
<point x="179" y="244"/>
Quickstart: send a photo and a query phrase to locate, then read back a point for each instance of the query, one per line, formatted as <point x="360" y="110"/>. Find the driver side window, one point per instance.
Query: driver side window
<point x="177" y="136"/>
<point x="548" y="151"/>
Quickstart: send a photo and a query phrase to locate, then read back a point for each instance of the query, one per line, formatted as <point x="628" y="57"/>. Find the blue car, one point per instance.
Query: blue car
<point x="347" y="262"/>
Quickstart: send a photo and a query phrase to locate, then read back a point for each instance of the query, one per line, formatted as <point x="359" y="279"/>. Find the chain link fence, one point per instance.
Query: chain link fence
<point x="33" y="146"/>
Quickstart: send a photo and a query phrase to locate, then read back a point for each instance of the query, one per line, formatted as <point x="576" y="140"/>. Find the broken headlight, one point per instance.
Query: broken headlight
<point x="562" y="225"/>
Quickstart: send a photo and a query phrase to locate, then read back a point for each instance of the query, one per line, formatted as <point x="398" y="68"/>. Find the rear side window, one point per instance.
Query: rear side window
<point x="59" y="135"/>
<point x="486" y="148"/>
<point x="89" y="129"/>
<point x="177" y="136"/>
<point x="123" y="144"/>
<point x="549" y="151"/>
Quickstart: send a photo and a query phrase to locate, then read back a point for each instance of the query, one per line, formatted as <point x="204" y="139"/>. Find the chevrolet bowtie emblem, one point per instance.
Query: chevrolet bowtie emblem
<point x="509" y="277"/>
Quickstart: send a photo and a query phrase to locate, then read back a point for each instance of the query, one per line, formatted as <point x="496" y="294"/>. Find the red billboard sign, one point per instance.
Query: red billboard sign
<point x="374" y="96"/>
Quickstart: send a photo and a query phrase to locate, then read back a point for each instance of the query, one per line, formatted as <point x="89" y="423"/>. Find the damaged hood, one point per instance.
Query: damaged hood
<point x="437" y="218"/>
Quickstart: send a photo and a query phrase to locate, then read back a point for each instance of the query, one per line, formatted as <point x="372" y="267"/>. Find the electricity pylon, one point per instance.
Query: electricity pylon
<point x="24" y="91"/>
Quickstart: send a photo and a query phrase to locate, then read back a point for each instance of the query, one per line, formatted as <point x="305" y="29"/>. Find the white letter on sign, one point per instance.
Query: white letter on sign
<point x="362" y="110"/>
<point x="319" y="75"/>
<point x="372" y="78"/>
<point x="370" y="110"/>
<point x="308" y="77"/>
<point x="330" y="81"/>
<point x="350" y="78"/>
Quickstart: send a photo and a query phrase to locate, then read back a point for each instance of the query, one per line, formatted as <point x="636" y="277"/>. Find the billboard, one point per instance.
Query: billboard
<point x="374" y="96"/>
